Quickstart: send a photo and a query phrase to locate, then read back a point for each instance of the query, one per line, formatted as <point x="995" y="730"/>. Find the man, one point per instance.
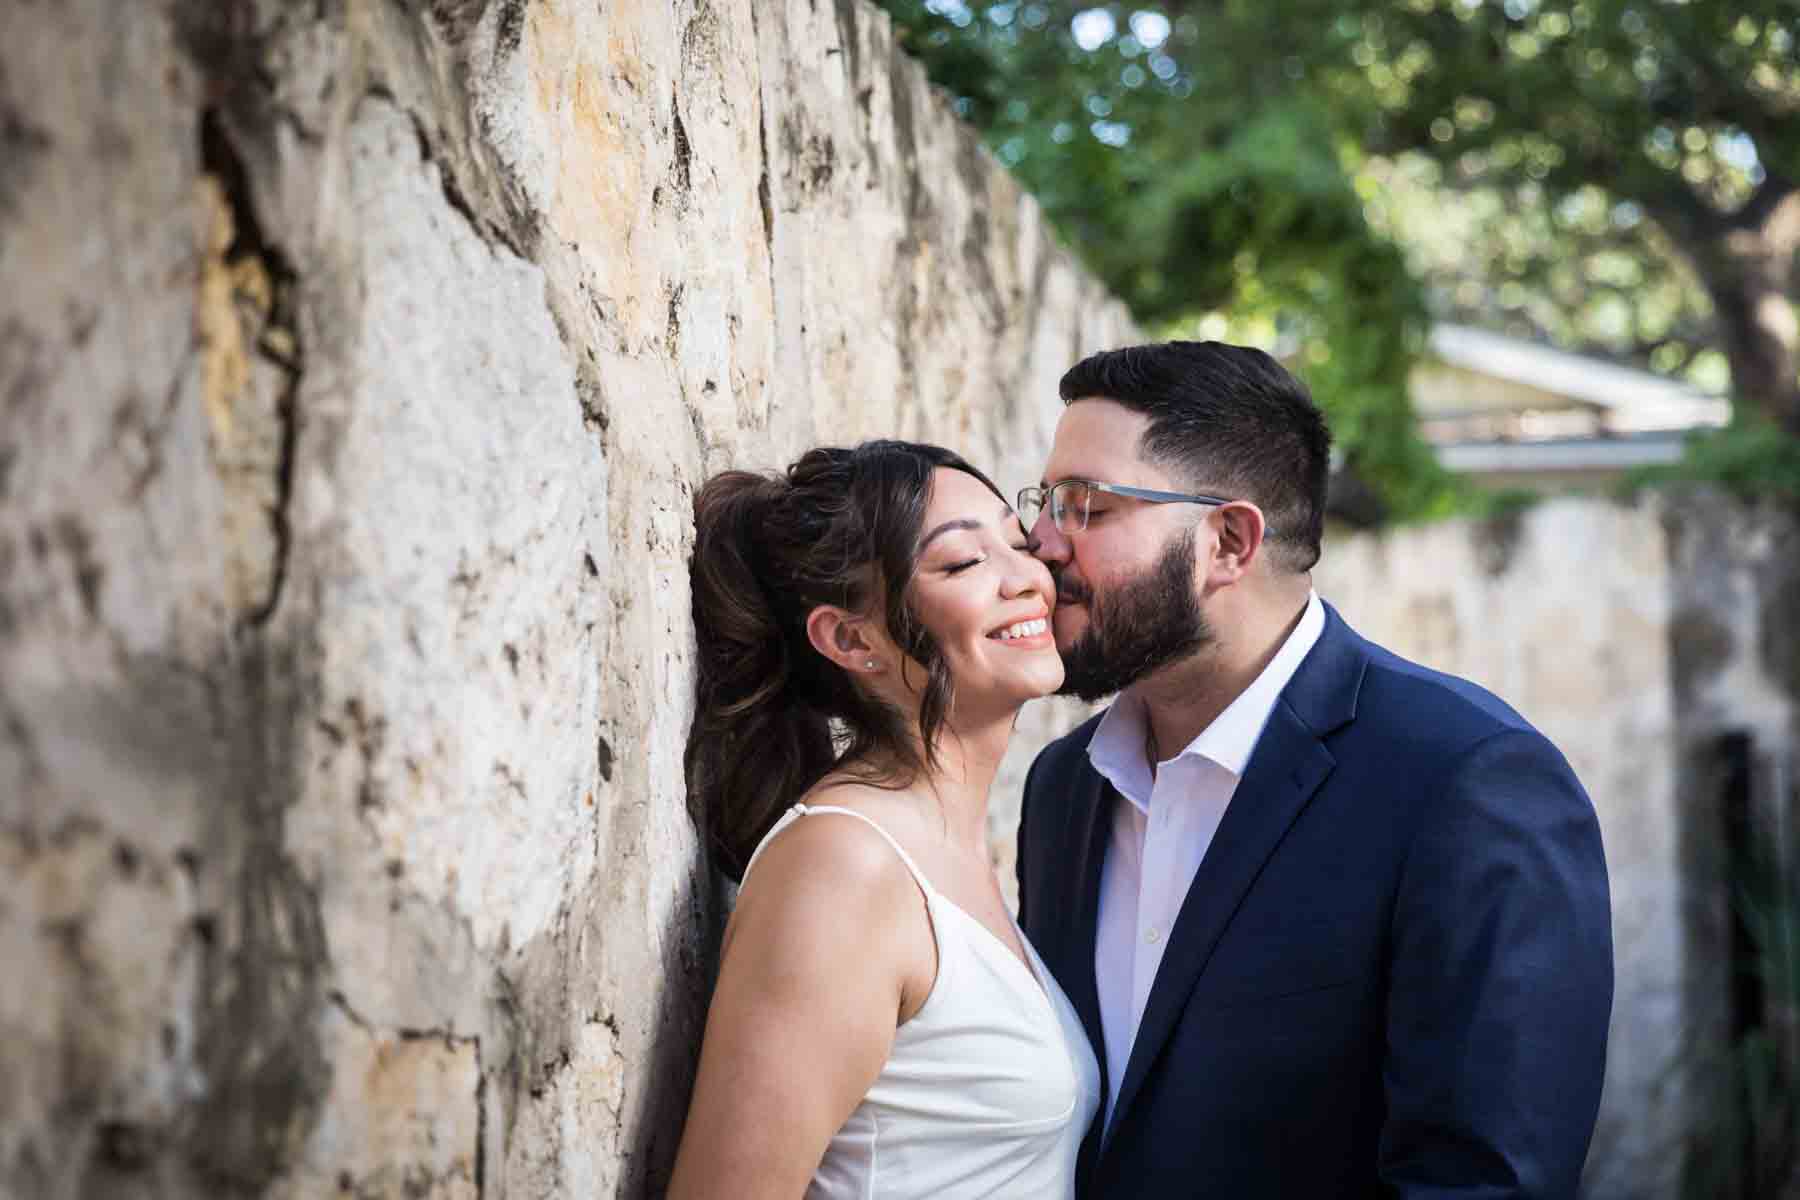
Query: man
<point x="1337" y="925"/>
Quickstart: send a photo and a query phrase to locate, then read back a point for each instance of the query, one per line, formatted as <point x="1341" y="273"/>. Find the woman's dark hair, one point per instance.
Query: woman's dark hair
<point x="772" y="715"/>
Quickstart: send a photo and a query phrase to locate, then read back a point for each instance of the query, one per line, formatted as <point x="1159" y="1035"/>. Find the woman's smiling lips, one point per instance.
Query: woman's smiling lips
<point x="1031" y="632"/>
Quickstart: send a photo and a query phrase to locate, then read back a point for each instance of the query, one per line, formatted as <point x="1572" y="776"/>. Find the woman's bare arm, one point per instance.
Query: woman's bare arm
<point x="829" y="946"/>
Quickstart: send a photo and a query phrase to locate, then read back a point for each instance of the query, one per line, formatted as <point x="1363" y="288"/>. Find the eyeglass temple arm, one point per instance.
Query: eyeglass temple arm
<point x="1040" y="496"/>
<point x="1138" y="493"/>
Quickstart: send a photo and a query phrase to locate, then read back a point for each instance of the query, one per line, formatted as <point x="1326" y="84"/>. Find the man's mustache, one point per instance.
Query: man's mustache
<point x="1071" y="591"/>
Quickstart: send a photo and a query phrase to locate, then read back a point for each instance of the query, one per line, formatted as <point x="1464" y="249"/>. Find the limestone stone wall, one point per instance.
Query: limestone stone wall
<point x="1631" y="636"/>
<point x="358" y="361"/>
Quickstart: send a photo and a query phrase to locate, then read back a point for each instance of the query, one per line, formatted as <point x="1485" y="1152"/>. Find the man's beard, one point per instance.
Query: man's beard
<point x="1137" y="627"/>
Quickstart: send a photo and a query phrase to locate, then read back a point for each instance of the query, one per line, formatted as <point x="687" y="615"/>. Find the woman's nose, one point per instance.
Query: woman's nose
<point x="1027" y="574"/>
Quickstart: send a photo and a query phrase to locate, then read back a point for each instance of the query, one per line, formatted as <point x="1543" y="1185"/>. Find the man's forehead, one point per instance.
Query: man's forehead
<point x="1098" y="439"/>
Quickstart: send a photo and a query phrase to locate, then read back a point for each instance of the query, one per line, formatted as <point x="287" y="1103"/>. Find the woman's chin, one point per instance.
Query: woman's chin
<point x="1049" y="684"/>
<point x="1004" y="698"/>
<point x="1036" y="685"/>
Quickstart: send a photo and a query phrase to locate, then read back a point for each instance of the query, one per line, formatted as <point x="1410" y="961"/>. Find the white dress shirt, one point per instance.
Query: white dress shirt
<point x="1161" y="832"/>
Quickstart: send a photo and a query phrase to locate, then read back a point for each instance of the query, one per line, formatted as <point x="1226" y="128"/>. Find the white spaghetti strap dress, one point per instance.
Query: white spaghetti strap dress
<point x="990" y="1086"/>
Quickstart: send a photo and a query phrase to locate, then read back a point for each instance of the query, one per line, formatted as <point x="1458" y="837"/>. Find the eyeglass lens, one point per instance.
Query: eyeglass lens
<point x="1069" y="506"/>
<point x="1067" y="501"/>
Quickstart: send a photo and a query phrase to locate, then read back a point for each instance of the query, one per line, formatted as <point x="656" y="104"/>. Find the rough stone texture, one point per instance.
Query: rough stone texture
<point x="358" y="361"/>
<point x="1631" y="636"/>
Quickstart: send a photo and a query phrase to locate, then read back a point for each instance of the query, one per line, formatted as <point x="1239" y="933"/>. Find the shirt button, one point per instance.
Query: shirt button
<point x="1152" y="935"/>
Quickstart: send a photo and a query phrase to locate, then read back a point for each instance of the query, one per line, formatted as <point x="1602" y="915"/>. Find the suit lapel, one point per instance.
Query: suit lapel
<point x="1090" y="817"/>
<point x="1289" y="764"/>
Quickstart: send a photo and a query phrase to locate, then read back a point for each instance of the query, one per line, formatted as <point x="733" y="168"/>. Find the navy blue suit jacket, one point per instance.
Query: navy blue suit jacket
<point x="1393" y="972"/>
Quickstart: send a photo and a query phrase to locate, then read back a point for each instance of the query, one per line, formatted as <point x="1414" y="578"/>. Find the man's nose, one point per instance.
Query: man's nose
<point x="1053" y="547"/>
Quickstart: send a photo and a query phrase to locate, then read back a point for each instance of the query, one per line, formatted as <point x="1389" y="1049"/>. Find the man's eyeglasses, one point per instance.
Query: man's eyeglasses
<point x="1070" y="499"/>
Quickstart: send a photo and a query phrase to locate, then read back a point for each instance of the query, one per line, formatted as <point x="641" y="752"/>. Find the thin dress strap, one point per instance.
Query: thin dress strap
<point x="801" y="810"/>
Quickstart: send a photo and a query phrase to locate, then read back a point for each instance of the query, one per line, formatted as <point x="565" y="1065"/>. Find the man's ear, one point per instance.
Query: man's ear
<point x="1240" y="540"/>
<point x="843" y="637"/>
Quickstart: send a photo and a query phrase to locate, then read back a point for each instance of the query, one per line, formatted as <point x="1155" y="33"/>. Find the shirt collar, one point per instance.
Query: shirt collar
<point x="1117" y="747"/>
<point x="1233" y="734"/>
<point x="1117" y="750"/>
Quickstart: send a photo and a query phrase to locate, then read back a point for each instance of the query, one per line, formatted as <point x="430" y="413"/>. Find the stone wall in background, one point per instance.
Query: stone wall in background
<point x="358" y="361"/>
<point x="1633" y="637"/>
<point x="1735" y="655"/>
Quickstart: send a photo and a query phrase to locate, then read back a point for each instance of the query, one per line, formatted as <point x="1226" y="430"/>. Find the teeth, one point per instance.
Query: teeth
<point x="1023" y="629"/>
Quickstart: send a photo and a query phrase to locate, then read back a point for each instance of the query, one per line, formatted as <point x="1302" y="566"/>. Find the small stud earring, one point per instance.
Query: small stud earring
<point x="871" y="664"/>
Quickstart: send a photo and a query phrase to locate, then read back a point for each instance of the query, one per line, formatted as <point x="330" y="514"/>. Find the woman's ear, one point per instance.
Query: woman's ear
<point x="1241" y="532"/>
<point x="844" y="638"/>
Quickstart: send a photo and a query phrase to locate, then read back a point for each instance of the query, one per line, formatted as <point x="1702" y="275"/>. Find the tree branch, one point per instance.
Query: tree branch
<point x="1772" y="212"/>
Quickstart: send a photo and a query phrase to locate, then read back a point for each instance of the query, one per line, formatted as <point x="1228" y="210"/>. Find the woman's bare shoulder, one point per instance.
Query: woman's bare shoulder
<point x="839" y="865"/>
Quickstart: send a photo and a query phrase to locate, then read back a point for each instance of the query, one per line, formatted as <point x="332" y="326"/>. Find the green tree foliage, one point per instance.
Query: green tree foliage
<point x="1192" y="192"/>
<point x="1752" y="459"/>
<point x="1681" y="113"/>
<point x="1612" y="173"/>
<point x="1588" y="273"/>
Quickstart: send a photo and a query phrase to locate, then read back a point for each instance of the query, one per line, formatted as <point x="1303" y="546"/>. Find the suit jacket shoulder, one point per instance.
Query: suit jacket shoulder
<point x="1433" y="712"/>
<point x="1437" y="747"/>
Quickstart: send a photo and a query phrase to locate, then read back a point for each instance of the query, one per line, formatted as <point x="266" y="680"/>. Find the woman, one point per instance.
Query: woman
<point x="868" y="627"/>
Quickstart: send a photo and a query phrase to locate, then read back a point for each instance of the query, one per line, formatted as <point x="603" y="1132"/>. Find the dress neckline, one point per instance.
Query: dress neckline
<point x="1025" y="964"/>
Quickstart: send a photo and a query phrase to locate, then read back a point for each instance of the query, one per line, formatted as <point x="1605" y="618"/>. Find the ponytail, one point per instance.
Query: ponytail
<point x="752" y="747"/>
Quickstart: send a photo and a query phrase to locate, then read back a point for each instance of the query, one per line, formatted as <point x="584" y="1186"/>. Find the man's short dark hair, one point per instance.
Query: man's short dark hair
<point x="1228" y="419"/>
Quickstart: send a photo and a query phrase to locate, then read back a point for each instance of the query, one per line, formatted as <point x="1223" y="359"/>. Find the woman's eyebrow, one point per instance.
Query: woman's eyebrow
<point x="961" y="523"/>
<point x="946" y="527"/>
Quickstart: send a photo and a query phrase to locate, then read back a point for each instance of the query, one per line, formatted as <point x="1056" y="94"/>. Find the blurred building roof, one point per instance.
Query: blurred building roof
<point x="1519" y="413"/>
<point x="1574" y="378"/>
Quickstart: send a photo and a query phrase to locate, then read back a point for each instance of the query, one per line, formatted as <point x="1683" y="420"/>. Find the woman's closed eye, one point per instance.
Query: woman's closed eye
<point x="955" y="568"/>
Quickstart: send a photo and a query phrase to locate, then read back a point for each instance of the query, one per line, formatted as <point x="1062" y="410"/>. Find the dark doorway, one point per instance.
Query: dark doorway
<point x="1750" y="869"/>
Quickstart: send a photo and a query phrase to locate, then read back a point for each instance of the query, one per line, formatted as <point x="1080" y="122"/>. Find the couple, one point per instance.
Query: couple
<point x="1297" y="918"/>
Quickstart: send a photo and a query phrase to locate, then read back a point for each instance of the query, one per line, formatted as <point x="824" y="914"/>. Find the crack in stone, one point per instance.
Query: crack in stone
<point x="23" y="144"/>
<point x="684" y="156"/>
<point x="511" y="779"/>
<point x="280" y="516"/>
<point x="672" y="333"/>
<point x="254" y="256"/>
<point x="489" y="232"/>
<point x="509" y="30"/>
<point x="89" y="573"/>
<point x="450" y="1038"/>
<point x="764" y="194"/>
<point x="404" y="1033"/>
<point x="422" y="1178"/>
<point x="481" y="1123"/>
